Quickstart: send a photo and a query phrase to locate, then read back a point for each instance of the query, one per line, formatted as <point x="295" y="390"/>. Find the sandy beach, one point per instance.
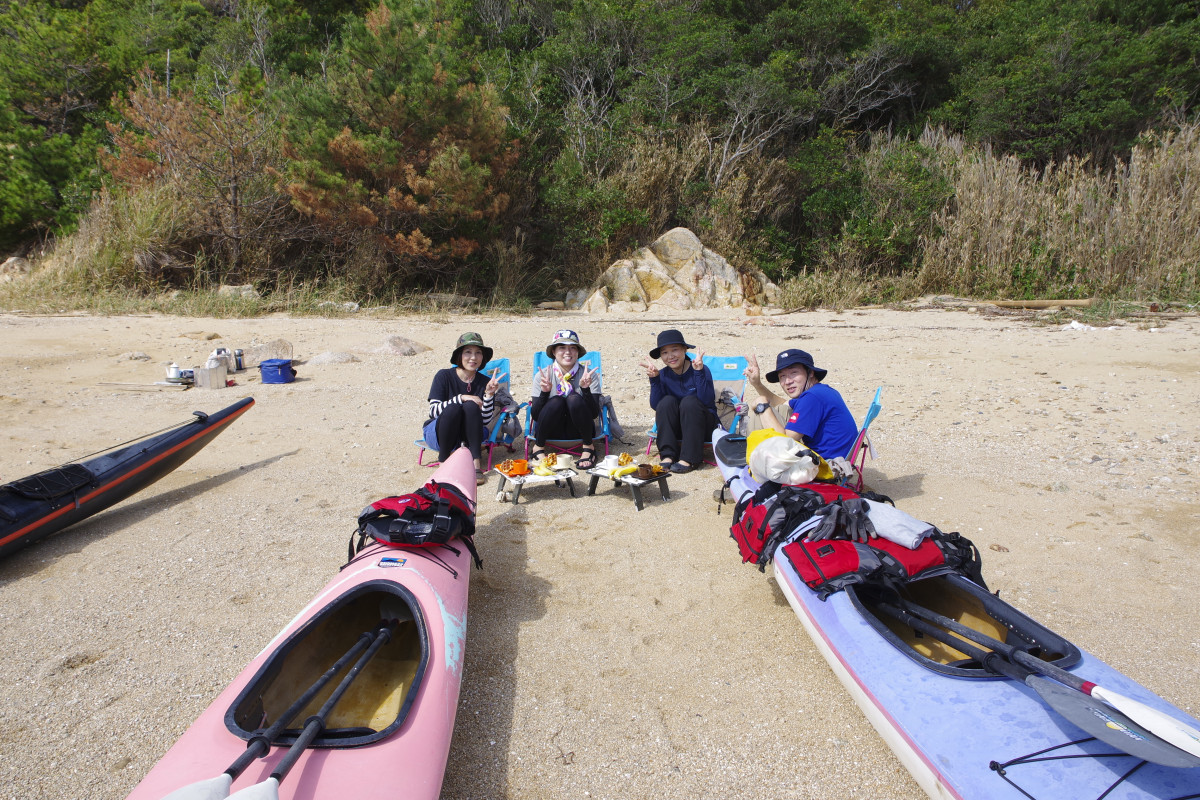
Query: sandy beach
<point x="611" y="653"/>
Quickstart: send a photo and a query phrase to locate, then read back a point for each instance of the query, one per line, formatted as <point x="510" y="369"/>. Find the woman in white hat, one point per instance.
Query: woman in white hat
<point x="462" y="402"/>
<point x="566" y="399"/>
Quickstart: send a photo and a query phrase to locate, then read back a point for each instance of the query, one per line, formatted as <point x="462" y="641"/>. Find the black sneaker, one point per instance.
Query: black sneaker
<point x="680" y="469"/>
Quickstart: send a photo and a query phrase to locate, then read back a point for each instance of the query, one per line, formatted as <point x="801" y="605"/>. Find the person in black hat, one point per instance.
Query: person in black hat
<point x="817" y="415"/>
<point x="566" y="399"/>
<point x="684" y="402"/>
<point x="461" y="402"/>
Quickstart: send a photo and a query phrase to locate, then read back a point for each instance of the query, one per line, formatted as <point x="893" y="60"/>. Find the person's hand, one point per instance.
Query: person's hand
<point x="585" y="380"/>
<point x="494" y="384"/>
<point x="544" y="379"/>
<point x="752" y="373"/>
<point x="465" y="398"/>
<point x="698" y="361"/>
<point x="650" y="367"/>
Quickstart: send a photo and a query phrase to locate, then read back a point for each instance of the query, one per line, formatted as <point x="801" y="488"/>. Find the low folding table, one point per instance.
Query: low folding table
<point x="634" y="483"/>
<point x="558" y="478"/>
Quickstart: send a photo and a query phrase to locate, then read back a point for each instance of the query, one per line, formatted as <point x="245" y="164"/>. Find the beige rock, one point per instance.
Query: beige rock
<point x="677" y="273"/>
<point x="676" y="247"/>
<point x="400" y="346"/>
<point x="16" y="266"/>
<point x="245" y="290"/>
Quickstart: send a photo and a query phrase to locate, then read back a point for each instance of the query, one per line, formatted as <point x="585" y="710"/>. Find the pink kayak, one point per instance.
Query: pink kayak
<point x="388" y="734"/>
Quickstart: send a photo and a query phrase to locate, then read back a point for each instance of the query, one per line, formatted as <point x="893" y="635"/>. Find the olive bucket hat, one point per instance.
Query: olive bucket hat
<point x="468" y="340"/>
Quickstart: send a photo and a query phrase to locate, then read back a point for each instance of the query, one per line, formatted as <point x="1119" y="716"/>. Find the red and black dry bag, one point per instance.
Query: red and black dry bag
<point x="762" y="520"/>
<point x="429" y="517"/>
<point x="830" y="565"/>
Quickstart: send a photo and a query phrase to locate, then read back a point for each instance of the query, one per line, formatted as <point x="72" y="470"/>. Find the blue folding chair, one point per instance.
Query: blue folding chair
<point x="729" y="384"/>
<point x="496" y="436"/>
<point x="862" y="443"/>
<point x="590" y="360"/>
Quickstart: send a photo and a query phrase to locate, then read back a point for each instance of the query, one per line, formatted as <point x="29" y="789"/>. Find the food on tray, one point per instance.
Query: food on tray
<point x="549" y="459"/>
<point x="624" y="459"/>
<point x="513" y="467"/>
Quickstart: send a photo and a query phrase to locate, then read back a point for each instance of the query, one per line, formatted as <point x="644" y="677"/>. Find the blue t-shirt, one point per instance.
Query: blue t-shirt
<point x="821" y="417"/>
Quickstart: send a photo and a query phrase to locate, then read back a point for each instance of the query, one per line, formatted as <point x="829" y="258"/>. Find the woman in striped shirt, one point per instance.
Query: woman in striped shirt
<point x="461" y="402"/>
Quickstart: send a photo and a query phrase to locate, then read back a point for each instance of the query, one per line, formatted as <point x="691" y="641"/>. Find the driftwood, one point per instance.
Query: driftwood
<point x="1041" y="303"/>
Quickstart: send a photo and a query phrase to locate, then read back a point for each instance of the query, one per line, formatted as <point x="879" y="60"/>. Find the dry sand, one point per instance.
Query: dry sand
<point x="611" y="654"/>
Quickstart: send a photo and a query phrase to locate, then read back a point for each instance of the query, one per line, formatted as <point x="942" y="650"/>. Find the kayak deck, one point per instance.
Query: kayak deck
<point x="977" y="739"/>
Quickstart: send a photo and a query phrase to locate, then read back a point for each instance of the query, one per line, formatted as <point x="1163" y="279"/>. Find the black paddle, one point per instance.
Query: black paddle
<point x="269" y="789"/>
<point x="257" y="746"/>
<point x="1096" y="719"/>
<point x="1162" y="725"/>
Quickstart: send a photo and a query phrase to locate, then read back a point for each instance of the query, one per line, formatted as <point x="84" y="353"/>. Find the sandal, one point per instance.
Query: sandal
<point x="536" y="453"/>
<point x="480" y="477"/>
<point x="587" y="459"/>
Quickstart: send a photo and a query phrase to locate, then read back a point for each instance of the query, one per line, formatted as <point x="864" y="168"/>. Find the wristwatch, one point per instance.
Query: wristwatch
<point x="761" y="407"/>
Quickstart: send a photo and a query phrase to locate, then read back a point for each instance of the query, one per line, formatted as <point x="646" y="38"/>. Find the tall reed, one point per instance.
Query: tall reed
<point x="1070" y="230"/>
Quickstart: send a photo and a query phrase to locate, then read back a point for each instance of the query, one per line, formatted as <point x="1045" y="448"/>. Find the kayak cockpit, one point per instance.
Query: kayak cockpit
<point x="376" y="702"/>
<point x="967" y="603"/>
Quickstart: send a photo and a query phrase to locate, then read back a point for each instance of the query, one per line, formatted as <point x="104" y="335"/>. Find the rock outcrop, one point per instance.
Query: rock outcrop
<point x="676" y="272"/>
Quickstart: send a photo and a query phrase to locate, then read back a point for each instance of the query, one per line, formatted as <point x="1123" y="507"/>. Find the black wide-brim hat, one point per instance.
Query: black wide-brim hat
<point x="670" y="337"/>
<point x="789" y="358"/>
<point x="469" y="340"/>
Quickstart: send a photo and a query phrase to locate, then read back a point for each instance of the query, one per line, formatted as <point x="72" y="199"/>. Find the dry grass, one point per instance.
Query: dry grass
<point x="1071" y="230"/>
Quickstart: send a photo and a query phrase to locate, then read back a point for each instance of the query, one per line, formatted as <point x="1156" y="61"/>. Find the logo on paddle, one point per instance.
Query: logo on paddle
<point x="1117" y="726"/>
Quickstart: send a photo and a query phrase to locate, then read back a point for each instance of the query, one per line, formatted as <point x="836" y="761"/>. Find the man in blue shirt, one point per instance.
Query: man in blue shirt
<point x="818" y="416"/>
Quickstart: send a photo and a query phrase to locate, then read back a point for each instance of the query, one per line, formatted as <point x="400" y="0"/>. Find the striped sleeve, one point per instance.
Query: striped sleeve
<point x="489" y="409"/>
<point x="437" y="406"/>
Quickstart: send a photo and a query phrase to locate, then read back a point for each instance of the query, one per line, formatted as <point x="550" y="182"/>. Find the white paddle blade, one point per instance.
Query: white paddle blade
<point x="267" y="790"/>
<point x="212" y="789"/>
<point x="1166" y="727"/>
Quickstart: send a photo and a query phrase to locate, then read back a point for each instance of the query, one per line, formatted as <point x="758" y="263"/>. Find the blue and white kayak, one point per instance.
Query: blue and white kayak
<point x="960" y="731"/>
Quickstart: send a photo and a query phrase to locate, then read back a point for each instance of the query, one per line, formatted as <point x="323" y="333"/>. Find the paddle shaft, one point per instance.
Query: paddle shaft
<point x="259" y="745"/>
<point x="1010" y="652"/>
<point x="316" y="723"/>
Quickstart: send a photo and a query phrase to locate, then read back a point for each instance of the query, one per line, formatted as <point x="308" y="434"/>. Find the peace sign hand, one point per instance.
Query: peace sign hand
<point x="544" y="379"/>
<point x="650" y="367"/>
<point x="493" y="384"/>
<point x="698" y="360"/>
<point x="585" y="380"/>
<point x="752" y="372"/>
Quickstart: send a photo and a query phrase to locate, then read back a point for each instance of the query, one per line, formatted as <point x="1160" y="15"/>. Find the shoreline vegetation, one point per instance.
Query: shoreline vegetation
<point x="1129" y="234"/>
<point x="378" y="151"/>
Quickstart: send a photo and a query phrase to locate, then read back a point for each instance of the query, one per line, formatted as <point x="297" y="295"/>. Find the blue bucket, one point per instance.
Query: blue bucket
<point x="277" y="370"/>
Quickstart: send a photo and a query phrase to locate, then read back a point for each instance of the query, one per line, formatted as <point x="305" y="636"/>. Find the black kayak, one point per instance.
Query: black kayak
<point x="35" y="507"/>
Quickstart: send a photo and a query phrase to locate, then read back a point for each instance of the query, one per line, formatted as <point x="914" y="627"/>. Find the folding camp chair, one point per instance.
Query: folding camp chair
<point x="506" y="409"/>
<point x="862" y="443"/>
<point x="590" y="360"/>
<point x="729" y="383"/>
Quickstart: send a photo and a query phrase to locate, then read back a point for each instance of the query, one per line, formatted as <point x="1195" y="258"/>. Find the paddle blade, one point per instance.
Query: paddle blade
<point x="1108" y="725"/>
<point x="212" y="789"/>
<point x="267" y="790"/>
<point x="1178" y="733"/>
